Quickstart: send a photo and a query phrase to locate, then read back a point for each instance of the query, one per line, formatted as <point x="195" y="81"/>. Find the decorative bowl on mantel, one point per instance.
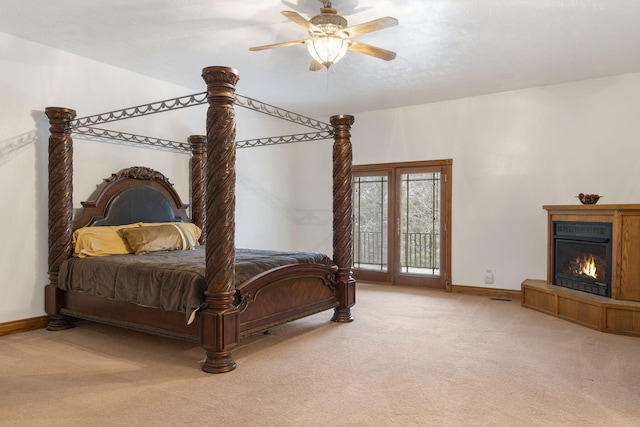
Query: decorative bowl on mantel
<point x="588" y="199"/>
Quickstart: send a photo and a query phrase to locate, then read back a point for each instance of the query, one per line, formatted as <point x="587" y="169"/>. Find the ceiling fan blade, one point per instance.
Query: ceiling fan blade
<point x="367" y="49"/>
<point x="368" y="27"/>
<point x="275" y="45"/>
<point x="315" y="66"/>
<point x="302" y="21"/>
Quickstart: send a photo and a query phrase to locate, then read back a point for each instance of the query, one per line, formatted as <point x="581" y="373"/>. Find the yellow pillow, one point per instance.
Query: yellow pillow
<point x="192" y="232"/>
<point x="100" y="241"/>
<point x="163" y="237"/>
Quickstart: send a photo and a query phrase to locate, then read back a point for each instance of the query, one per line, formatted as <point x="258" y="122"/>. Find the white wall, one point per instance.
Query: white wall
<point x="314" y="201"/>
<point x="265" y="182"/>
<point x="33" y="77"/>
<point x="513" y="153"/>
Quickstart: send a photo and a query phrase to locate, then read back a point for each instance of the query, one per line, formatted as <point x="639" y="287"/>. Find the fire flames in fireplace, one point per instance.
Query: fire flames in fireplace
<point x="586" y="266"/>
<point x="582" y="265"/>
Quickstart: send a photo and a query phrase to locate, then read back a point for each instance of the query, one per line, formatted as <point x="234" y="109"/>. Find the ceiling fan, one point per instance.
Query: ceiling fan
<point x="331" y="38"/>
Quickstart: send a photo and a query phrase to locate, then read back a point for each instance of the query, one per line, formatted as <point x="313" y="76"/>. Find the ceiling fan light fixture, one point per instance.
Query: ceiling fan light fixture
<point x="327" y="49"/>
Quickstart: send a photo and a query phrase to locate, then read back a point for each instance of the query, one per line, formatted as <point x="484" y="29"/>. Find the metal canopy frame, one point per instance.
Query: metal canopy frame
<point x="88" y="125"/>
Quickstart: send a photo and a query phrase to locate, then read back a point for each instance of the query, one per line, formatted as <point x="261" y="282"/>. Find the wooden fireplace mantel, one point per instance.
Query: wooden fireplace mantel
<point x="619" y="314"/>
<point x="625" y="250"/>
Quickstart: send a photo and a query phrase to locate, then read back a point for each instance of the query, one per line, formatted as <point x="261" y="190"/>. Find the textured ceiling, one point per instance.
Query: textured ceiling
<point x="446" y="49"/>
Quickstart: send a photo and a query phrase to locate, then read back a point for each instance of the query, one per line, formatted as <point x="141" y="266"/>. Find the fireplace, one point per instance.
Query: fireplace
<point x="582" y="256"/>
<point x="596" y="250"/>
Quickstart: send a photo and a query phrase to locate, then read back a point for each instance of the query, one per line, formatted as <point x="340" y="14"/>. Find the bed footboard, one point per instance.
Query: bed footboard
<point x="288" y="293"/>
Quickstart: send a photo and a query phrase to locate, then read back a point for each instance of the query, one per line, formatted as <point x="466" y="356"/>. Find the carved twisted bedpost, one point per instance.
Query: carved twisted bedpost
<point x="198" y="174"/>
<point x="343" y="216"/>
<point x="60" y="208"/>
<point x="220" y="321"/>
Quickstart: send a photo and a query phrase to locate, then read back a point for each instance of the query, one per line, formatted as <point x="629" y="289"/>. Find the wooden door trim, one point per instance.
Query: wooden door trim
<point x="390" y="169"/>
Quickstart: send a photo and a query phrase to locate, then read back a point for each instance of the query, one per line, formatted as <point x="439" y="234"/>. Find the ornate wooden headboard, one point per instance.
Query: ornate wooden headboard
<point x="135" y="194"/>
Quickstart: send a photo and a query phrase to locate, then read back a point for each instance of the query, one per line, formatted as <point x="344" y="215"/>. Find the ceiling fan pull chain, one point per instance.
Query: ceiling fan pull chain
<point x="327" y="68"/>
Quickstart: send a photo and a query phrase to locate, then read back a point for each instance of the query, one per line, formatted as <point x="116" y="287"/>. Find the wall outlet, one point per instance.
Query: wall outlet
<point x="488" y="277"/>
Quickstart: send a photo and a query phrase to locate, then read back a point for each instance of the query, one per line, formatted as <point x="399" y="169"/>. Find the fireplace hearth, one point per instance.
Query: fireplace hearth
<point x="582" y="256"/>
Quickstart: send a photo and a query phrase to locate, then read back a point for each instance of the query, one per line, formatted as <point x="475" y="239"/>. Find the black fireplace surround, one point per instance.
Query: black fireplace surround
<point x="582" y="256"/>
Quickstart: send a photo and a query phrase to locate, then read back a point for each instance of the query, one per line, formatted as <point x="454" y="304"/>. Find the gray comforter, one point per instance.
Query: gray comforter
<point x="171" y="281"/>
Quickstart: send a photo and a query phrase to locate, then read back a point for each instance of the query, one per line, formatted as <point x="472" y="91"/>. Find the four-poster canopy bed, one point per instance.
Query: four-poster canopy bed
<point x="218" y="301"/>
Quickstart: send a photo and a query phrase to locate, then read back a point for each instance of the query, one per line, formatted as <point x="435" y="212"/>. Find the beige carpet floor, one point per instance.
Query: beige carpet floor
<point x="412" y="357"/>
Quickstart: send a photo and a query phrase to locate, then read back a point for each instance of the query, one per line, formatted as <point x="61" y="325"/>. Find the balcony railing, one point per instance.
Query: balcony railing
<point x="418" y="250"/>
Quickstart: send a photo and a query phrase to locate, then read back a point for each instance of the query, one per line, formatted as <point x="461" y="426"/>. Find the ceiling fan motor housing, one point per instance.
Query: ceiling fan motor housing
<point x="329" y="21"/>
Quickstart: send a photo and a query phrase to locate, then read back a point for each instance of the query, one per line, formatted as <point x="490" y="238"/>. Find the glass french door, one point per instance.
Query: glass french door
<point x="401" y="223"/>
